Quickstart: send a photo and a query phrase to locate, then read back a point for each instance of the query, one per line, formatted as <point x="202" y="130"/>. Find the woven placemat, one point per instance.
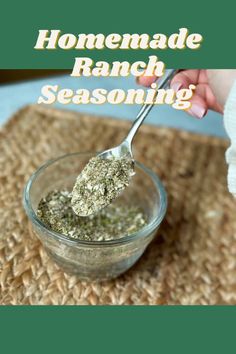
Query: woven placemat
<point x="193" y="259"/>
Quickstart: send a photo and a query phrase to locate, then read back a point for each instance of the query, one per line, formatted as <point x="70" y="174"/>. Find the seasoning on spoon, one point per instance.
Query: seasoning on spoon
<point x="100" y="182"/>
<point x="115" y="221"/>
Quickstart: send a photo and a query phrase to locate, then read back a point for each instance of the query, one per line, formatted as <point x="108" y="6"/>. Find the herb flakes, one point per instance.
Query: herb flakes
<point x="99" y="183"/>
<point x="113" y="222"/>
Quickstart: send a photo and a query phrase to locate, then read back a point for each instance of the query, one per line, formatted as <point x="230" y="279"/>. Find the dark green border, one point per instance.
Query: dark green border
<point x="118" y="329"/>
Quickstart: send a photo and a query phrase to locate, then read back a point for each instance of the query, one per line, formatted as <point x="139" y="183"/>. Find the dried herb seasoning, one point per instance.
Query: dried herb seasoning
<point x="112" y="222"/>
<point x="100" y="182"/>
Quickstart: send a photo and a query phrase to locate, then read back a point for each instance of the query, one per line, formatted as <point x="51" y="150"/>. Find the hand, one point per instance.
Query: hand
<point x="212" y="88"/>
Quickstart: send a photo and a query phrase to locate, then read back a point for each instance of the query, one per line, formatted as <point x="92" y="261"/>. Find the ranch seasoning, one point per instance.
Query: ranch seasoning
<point x="99" y="183"/>
<point x="113" y="222"/>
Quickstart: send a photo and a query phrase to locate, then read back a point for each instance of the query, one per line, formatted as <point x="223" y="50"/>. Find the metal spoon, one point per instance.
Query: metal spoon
<point x="98" y="194"/>
<point x="125" y="148"/>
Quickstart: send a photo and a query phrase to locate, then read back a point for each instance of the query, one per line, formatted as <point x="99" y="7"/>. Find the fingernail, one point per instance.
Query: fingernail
<point x="197" y="111"/>
<point x="176" y="86"/>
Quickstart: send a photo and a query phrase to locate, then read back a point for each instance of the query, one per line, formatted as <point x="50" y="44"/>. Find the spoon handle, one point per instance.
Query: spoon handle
<point x="163" y="82"/>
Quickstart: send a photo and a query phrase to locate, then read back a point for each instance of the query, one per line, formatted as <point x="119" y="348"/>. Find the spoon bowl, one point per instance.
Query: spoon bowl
<point x="117" y="152"/>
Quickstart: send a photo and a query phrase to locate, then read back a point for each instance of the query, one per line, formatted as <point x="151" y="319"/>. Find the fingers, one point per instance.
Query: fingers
<point x="198" y="107"/>
<point x="203" y="97"/>
<point x="146" y="80"/>
<point x="184" y="78"/>
<point x="202" y="100"/>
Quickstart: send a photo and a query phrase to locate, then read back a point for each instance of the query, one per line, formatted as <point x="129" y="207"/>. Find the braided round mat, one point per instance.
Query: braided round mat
<point x="193" y="259"/>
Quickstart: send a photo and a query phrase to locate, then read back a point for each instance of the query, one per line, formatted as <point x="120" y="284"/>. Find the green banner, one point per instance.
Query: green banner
<point x="21" y="22"/>
<point x="118" y="330"/>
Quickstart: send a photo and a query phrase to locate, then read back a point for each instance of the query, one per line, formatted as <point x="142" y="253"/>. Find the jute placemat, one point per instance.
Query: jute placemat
<point x="193" y="259"/>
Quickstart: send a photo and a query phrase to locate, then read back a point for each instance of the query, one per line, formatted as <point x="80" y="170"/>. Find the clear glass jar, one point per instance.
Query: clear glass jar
<point x="97" y="260"/>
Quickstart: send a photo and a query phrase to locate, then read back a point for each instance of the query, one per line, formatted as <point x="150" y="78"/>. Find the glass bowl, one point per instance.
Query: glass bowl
<point x="95" y="260"/>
